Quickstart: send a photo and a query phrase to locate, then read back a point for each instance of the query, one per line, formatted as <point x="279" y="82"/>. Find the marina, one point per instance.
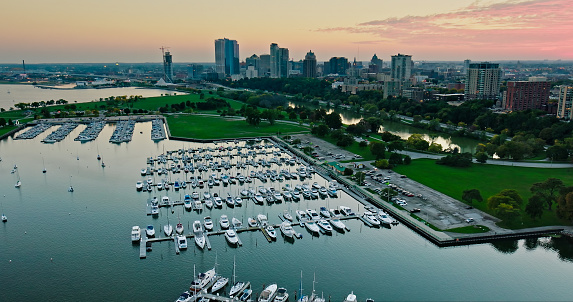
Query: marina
<point x="53" y="223"/>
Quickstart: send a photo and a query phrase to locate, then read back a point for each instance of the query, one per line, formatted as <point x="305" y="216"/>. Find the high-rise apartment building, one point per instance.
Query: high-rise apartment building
<point x="167" y="67"/>
<point x="279" y="61"/>
<point x="309" y="65"/>
<point x="227" y="57"/>
<point x="265" y="65"/>
<point x="338" y="65"/>
<point x="565" y="102"/>
<point x="401" y="67"/>
<point x="523" y="95"/>
<point x="483" y="81"/>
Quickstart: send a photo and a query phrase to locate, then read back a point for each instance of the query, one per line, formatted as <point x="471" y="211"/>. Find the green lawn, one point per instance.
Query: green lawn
<point x="490" y="180"/>
<point x="6" y="129"/>
<point x="214" y="127"/>
<point x="153" y="103"/>
<point x="354" y="148"/>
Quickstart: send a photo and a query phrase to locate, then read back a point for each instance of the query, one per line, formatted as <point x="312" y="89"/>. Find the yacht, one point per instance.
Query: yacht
<point x="312" y="214"/>
<point x="168" y="229"/>
<point x="313" y="193"/>
<point x="346" y="211"/>
<point x="231" y="237"/>
<point x="302" y="216"/>
<point x="179" y="228"/>
<point x="325" y="226"/>
<point x="203" y="279"/>
<point x="324" y="212"/>
<point x="287" y="215"/>
<point x="150" y="231"/>
<point x="4" y="218"/>
<point x="246" y="294"/>
<point x="198" y="232"/>
<point x="278" y="197"/>
<point x="286" y="229"/>
<point x="350" y="298"/>
<point x="271" y="231"/>
<point x="236" y="223"/>
<point x="182" y="242"/>
<point x="218" y="201"/>
<point x="315" y="185"/>
<point x="384" y="218"/>
<point x="335" y="213"/>
<point x="187" y="202"/>
<point x="135" y="234"/>
<point x="230" y="201"/>
<point x="165" y="201"/>
<point x="209" y="203"/>
<point x="282" y="295"/>
<point x="371" y="218"/>
<point x="268" y="294"/>
<point x="296" y="195"/>
<point x="337" y="224"/>
<point x="262" y="219"/>
<point x="224" y="222"/>
<point x="208" y="222"/>
<point x="252" y="222"/>
<point x="258" y="199"/>
<point x="221" y="282"/>
<point x="238" y="201"/>
<point x="323" y="192"/>
<point x="206" y="195"/>
<point x="306" y="193"/>
<point x="139" y="185"/>
<point x="312" y="227"/>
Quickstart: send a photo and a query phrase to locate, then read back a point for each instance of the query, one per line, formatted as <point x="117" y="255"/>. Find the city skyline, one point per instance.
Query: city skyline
<point x="133" y="32"/>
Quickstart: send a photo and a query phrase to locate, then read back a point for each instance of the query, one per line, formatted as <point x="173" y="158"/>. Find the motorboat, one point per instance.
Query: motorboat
<point x="179" y="228"/>
<point x="230" y="200"/>
<point x="198" y="232"/>
<point x="168" y="229"/>
<point x="296" y="195"/>
<point x="384" y="218"/>
<point x="209" y="203"/>
<point x="371" y="218"/>
<point x="185" y="297"/>
<point x="315" y="185"/>
<point x="206" y="195"/>
<point x="208" y="222"/>
<point x="312" y="226"/>
<point x="4" y="218"/>
<point x="262" y="219"/>
<point x="271" y="232"/>
<point x="262" y="190"/>
<point x="165" y="201"/>
<point x="302" y="216"/>
<point x="312" y="214"/>
<point x="324" y="212"/>
<point x="139" y="185"/>
<point x="187" y="202"/>
<point x="335" y="213"/>
<point x="238" y="201"/>
<point x="236" y="223"/>
<point x="246" y="294"/>
<point x="313" y="193"/>
<point x="306" y="193"/>
<point x="346" y="211"/>
<point x="268" y="293"/>
<point x="323" y="192"/>
<point x="18" y="184"/>
<point x="350" y="298"/>
<point x="252" y="222"/>
<point x="150" y="231"/>
<point x="135" y="233"/>
<point x="282" y="295"/>
<point x="218" y="201"/>
<point x="325" y="226"/>
<point x="197" y="205"/>
<point x="278" y="197"/>
<point x="202" y="280"/>
<point x="287" y="215"/>
<point x="258" y="198"/>
<point x="286" y="229"/>
<point x="154" y="209"/>
<point x="182" y="242"/>
<point x="231" y="237"/>
<point x="337" y="224"/>
<point x="219" y="284"/>
<point x="224" y="222"/>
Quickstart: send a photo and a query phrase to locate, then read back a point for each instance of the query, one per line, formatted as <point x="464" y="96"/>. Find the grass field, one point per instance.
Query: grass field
<point x="214" y="127"/>
<point x="489" y="180"/>
<point x="6" y="129"/>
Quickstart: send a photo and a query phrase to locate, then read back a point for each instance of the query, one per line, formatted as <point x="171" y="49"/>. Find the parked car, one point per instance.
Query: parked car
<point x="415" y="210"/>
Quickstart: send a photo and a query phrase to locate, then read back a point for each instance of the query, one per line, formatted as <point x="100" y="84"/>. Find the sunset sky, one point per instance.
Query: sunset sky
<point x="64" y="31"/>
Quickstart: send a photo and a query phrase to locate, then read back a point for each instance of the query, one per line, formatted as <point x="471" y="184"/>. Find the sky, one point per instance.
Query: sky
<point x="132" y="31"/>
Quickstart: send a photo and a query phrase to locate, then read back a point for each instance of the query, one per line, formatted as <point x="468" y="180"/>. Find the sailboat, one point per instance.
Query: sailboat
<point x="221" y="282"/>
<point x="302" y="298"/>
<point x="70" y="189"/>
<point x="168" y="228"/>
<point x="18" y="183"/>
<point x="44" y="164"/>
<point x="102" y="163"/>
<point x="4" y="218"/>
<point x="237" y="285"/>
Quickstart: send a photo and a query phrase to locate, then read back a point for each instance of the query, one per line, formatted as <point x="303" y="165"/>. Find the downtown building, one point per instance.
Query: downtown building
<point x="483" y="81"/>
<point x="565" y="103"/>
<point x="227" y="58"/>
<point x="531" y="94"/>
<point x="279" y="61"/>
<point x="400" y="74"/>
<point x="309" y="65"/>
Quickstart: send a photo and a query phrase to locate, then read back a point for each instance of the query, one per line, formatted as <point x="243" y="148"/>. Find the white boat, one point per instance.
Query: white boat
<point x="135" y="233"/>
<point x="315" y="185"/>
<point x="262" y="219"/>
<point x="324" y="212"/>
<point x="282" y="295"/>
<point x="150" y="231"/>
<point x="384" y="218"/>
<point x="139" y="185"/>
<point x="187" y="202"/>
<point x="312" y="227"/>
<point x="278" y="197"/>
<point x="350" y="298"/>
<point x="4" y="218"/>
<point x="286" y="229"/>
<point x="206" y="195"/>
<point x="287" y="215"/>
<point x="268" y="293"/>
<point x="258" y="198"/>
<point x="179" y="228"/>
<point x="295" y="195"/>
<point x="182" y="242"/>
<point x="335" y="213"/>
<point x="197" y="205"/>
<point x="202" y="280"/>
<point x="314" y="193"/>
<point x="221" y="282"/>
<point x="252" y="222"/>
<point x="312" y="214"/>
<point x="323" y="192"/>
<point x="238" y="201"/>
<point x="336" y="223"/>
<point x="246" y="294"/>
<point x="302" y="216"/>
<point x="237" y="285"/>
<point x="199" y="236"/>
<point x="224" y="222"/>
<point x="271" y="232"/>
<point x="165" y="201"/>
<point x="346" y="211"/>
<point x="218" y="202"/>
<point x="154" y="209"/>
<point x="209" y="203"/>
<point x="18" y="184"/>
<point x="325" y="226"/>
<point x="230" y="200"/>
<point x="231" y="237"/>
<point x="208" y="222"/>
<point x="236" y="223"/>
<point x="371" y="218"/>
<point x="168" y="229"/>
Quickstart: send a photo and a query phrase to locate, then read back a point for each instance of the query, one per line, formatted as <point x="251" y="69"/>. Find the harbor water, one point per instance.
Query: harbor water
<point x="69" y="246"/>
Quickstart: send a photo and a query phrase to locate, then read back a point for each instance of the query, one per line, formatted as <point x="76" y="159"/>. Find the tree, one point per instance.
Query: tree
<point x="507" y="212"/>
<point x="481" y="157"/>
<point x="435" y="148"/>
<point x="416" y="141"/>
<point x="362" y="144"/>
<point x="345" y="141"/>
<point x="557" y="152"/>
<point x="548" y="190"/>
<point x="470" y="195"/>
<point x="253" y="117"/>
<point x="348" y="171"/>
<point x="534" y="207"/>
<point x="407" y="159"/>
<point x="382" y="164"/>
<point x="565" y="203"/>
<point x="377" y="149"/>
<point x="395" y="159"/>
<point x="320" y="130"/>
<point x="333" y="120"/>
<point x="395" y="146"/>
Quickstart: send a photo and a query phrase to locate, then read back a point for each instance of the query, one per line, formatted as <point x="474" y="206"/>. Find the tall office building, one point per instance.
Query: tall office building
<point x="338" y="65"/>
<point x="565" y="102"/>
<point x="309" y="65"/>
<point x="483" y="81"/>
<point x="227" y="57"/>
<point x="265" y="65"/>
<point x="375" y="64"/>
<point x="279" y="61"/>
<point x="167" y="66"/>
<point x="254" y="61"/>
<point x="523" y="95"/>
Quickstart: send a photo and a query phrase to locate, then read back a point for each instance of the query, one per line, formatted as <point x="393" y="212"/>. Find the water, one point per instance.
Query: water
<point x="11" y="95"/>
<point x="63" y="246"/>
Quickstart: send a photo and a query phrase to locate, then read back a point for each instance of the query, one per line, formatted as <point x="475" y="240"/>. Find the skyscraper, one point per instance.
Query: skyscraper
<point x="483" y="81"/>
<point x="565" y="102"/>
<point x="338" y="65"/>
<point x="279" y="61"/>
<point x="227" y="57"/>
<point x="309" y="65"/>
<point x="167" y="66"/>
<point x="265" y="65"/>
<point x="401" y="68"/>
<point x="375" y="64"/>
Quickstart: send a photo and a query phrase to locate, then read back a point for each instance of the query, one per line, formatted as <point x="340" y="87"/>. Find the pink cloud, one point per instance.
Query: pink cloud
<point x="537" y="28"/>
